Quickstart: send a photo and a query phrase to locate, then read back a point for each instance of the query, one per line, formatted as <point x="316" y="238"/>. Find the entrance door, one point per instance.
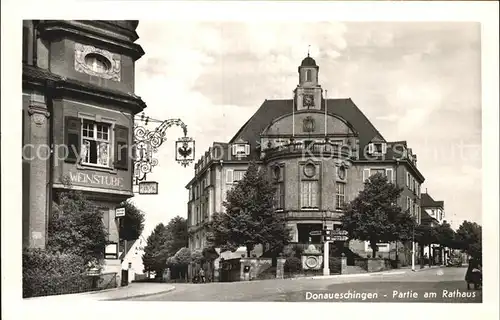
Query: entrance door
<point x="305" y="229"/>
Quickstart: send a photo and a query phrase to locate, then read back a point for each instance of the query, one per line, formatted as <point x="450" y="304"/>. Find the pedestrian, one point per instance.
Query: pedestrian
<point x="474" y="274"/>
<point x="202" y="275"/>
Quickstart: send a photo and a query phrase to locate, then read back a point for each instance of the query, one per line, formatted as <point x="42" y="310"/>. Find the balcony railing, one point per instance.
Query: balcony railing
<point x="316" y="149"/>
<point x="313" y="215"/>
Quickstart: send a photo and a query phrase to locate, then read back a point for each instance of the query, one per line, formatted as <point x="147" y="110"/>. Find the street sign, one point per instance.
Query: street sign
<point x="120" y="212"/>
<point x="315" y="233"/>
<point x="148" y="187"/>
<point x="339" y="238"/>
<point x="340" y="232"/>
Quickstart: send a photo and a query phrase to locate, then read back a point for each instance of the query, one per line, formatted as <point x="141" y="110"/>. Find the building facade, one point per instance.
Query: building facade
<point x="318" y="151"/>
<point x="433" y="215"/>
<point x="78" y="111"/>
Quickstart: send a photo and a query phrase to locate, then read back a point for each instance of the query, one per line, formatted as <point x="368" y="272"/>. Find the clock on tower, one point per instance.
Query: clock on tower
<point x="308" y="101"/>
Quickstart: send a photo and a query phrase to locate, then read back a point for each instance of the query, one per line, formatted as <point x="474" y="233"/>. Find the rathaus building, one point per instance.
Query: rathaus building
<point x="319" y="152"/>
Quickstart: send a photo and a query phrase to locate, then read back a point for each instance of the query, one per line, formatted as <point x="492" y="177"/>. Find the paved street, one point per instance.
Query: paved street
<point x="447" y="283"/>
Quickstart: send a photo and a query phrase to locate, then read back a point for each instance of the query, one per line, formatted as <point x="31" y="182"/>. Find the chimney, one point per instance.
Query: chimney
<point x="426" y="190"/>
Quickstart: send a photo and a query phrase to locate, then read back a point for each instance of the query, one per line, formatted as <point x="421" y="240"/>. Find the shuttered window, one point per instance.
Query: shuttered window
<point x="340" y="195"/>
<point x="389" y="174"/>
<point x="121" y="148"/>
<point x="279" y="197"/>
<point x="72" y="138"/>
<point x="309" y="194"/>
<point x="229" y="176"/>
<point x="366" y="174"/>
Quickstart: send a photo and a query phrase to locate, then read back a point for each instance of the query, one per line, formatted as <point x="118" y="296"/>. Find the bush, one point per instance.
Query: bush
<point x="293" y="265"/>
<point x="53" y="273"/>
<point x="293" y="251"/>
<point x="197" y="256"/>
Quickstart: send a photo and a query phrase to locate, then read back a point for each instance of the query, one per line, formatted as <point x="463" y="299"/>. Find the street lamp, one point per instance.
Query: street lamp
<point x="413" y="238"/>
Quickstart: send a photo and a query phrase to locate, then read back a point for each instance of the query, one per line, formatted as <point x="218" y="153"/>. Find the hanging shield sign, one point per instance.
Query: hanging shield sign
<point x="148" y="187"/>
<point x="184" y="151"/>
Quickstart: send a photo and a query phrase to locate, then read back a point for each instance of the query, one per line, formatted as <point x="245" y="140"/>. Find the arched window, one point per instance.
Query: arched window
<point x="308" y="75"/>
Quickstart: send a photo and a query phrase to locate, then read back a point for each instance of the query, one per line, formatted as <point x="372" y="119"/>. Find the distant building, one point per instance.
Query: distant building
<point x="433" y="208"/>
<point x="78" y="95"/>
<point x="318" y="151"/>
<point x="433" y="215"/>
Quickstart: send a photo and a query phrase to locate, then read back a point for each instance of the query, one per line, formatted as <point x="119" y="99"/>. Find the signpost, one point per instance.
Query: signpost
<point x="330" y="235"/>
<point x="120" y="212"/>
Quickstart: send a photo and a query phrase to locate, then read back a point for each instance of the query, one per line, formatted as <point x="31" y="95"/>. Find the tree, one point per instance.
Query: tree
<point x="76" y="227"/>
<point x="425" y="235"/>
<point x="249" y="218"/>
<point x="182" y="259"/>
<point x="176" y="235"/>
<point x="469" y="234"/>
<point x="132" y="224"/>
<point x="374" y="215"/>
<point x="154" y="258"/>
<point x="445" y="235"/>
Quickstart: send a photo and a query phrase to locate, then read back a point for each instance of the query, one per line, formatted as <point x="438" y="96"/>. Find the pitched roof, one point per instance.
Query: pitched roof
<point x="272" y="109"/>
<point x="426" y="219"/>
<point x="426" y="201"/>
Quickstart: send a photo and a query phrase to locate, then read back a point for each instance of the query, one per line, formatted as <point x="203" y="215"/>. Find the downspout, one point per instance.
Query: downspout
<point x="35" y="42"/>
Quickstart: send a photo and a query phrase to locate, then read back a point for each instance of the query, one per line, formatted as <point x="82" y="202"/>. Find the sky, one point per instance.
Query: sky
<point x="415" y="81"/>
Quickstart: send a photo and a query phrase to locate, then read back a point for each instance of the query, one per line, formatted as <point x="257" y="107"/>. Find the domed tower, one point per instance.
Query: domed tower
<point x="308" y="93"/>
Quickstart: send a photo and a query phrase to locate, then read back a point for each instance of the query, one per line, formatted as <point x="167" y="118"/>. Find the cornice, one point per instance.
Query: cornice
<point x="50" y="29"/>
<point x="61" y="87"/>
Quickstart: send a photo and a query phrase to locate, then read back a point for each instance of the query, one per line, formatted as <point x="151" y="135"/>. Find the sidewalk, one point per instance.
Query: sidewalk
<point x="132" y="290"/>
<point x="401" y="270"/>
<point x="417" y="267"/>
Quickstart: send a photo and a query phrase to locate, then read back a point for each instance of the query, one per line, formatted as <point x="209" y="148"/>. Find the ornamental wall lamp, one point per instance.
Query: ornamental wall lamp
<point x="147" y="143"/>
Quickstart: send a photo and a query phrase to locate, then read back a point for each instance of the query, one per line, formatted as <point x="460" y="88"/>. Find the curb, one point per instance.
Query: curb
<point x="429" y="268"/>
<point x="140" y="295"/>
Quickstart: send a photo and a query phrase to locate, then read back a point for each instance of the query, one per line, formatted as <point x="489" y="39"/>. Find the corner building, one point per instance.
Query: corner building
<point x="318" y="152"/>
<point x="78" y="95"/>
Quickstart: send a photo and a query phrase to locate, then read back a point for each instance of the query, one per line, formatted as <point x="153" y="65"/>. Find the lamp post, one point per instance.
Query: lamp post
<point x="413" y="238"/>
<point x="413" y="249"/>
<point x="326" y="249"/>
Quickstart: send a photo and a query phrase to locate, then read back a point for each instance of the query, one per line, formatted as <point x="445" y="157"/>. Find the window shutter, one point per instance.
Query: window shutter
<point x="233" y="148"/>
<point x="26" y="43"/>
<point x="302" y="194"/>
<point x="121" y="147"/>
<point x="388" y="173"/>
<point x="229" y="176"/>
<point x="73" y="127"/>
<point x="384" y="148"/>
<point x="247" y="149"/>
<point x="370" y="148"/>
<point x="314" y="194"/>
<point x="366" y="174"/>
<point x="105" y="220"/>
<point x="282" y="195"/>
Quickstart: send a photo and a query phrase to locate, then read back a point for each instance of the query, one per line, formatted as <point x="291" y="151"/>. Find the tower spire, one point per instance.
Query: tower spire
<point x="308" y="49"/>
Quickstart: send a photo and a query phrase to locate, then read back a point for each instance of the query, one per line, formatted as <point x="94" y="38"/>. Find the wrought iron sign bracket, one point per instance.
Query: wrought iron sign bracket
<point x="147" y="142"/>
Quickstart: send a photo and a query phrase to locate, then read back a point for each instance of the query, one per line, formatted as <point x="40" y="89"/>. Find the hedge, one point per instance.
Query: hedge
<point x="52" y="273"/>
